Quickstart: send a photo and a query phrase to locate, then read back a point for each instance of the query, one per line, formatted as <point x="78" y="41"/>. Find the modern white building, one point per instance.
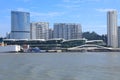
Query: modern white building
<point x="67" y="31"/>
<point x="39" y="30"/>
<point x="119" y="36"/>
<point x="112" y="29"/>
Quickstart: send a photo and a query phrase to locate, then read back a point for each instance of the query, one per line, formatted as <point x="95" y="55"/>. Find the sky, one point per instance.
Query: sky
<point x="91" y="14"/>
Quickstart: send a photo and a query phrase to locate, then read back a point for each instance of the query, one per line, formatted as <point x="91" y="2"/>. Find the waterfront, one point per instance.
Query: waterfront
<point x="60" y="66"/>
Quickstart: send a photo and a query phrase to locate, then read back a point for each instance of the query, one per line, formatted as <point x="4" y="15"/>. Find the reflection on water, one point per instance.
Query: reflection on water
<point x="64" y="66"/>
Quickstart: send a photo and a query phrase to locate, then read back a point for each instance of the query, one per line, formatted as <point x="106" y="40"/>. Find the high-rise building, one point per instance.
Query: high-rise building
<point x="50" y="34"/>
<point x="20" y="25"/>
<point x="119" y="36"/>
<point x="67" y="31"/>
<point x="112" y="29"/>
<point x="39" y="30"/>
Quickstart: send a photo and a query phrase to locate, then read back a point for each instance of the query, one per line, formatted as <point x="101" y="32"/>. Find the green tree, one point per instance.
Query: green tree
<point x="91" y="36"/>
<point x="94" y="36"/>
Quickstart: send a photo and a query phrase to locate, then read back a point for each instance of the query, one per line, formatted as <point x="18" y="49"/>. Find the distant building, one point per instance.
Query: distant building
<point x="67" y="31"/>
<point x="112" y="27"/>
<point x="119" y="36"/>
<point x="50" y="34"/>
<point x="20" y="25"/>
<point x="8" y="35"/>
<point x="39" y="30"/>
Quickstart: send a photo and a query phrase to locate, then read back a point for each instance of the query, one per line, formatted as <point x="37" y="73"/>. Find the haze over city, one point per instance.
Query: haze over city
<point x="91" y="14"/>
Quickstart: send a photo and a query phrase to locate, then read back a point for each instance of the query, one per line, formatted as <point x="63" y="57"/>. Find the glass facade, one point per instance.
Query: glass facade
<point x="20" y="25"/>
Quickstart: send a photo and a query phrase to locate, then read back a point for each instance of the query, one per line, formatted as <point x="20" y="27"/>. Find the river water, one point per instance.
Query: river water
<point x="60" y="66"/>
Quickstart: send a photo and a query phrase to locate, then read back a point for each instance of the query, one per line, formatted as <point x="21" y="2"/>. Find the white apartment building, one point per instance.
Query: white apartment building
<point x="67" y="31"/>
<point x="39" y="30"/>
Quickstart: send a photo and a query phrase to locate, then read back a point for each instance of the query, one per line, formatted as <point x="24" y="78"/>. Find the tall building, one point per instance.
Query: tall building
<point x="50" y="34"/>
<point x="112" y="29"/>
<point x="119" y="36"/>
<point x="67" y="31"/>
<point x="39" y="30"/>
<point x="20" y="25"/>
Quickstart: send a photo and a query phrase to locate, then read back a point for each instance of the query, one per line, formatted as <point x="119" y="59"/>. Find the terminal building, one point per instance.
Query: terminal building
<point x="53" y="44"/>
<point x="46" y="44"/>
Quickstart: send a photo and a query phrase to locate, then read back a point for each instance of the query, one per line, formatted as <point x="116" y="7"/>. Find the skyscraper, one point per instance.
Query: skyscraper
<point x="39" y="30"/>
<point x="20" y="25"/>
<point x="112" y="29"/>
<point x="67" y="31"/>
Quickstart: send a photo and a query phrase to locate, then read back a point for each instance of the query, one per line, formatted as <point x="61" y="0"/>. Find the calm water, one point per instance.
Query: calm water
<point x="64" y="66"/>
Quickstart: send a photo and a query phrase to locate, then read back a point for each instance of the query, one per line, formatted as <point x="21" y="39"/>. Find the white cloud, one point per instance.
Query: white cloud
<point x="72" y="6"/>
<point x="80" y="1"/>
<point x="24" y="0"/>
<point x="49" y="14"/>
<point x="18" y="9"/>
<point x="100" y="29"/>
<point x="23" y="9"/>
<point x="72" y="1"/>
<point x="39" y="14"/>
<point x="104" y="10"/>
<point x="75" y="4"/>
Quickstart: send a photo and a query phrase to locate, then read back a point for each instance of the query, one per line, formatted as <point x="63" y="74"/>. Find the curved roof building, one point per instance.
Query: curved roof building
<point x="20" y="25"/>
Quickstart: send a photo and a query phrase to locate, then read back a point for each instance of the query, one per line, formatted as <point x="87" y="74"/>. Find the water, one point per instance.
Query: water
<point x="60" y="66"/>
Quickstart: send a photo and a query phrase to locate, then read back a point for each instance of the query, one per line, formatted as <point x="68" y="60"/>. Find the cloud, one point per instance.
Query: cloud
<point x="104" y="9"/>
<point x="18" y="9"/>
<point x="100" y="29"/>
<point x="72" y="6"/>
<point x="48" y="14"/>
<point x="75" y="4"/>
<point x="23" y="9"/>
<point x="80" y="1"/>
<point x="72" y="1"/>
<point x="24" y="0"/>
<point x="37" y="14"/>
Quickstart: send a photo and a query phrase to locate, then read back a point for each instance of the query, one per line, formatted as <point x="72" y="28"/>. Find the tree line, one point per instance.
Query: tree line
<point x="94" y="36"/>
